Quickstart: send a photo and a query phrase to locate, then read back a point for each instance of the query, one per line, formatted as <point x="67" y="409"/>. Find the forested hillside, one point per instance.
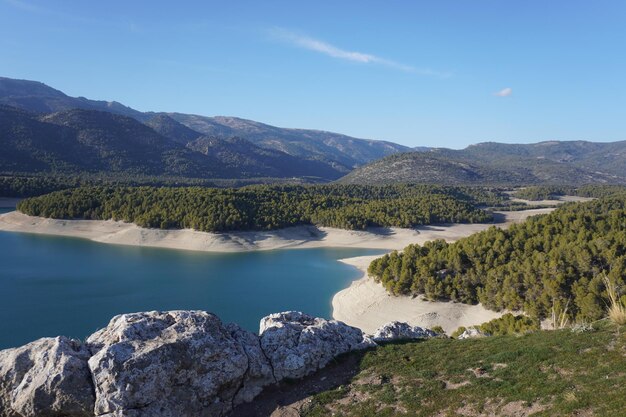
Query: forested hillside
<point x="550" y="192"/>
<point x="332" y="150"/>
<point x="81" y="141"/>
<point x="551" y="261"/>
<point x="444" y="166"/>
<point x="37" y="97"/>
<point x="268" y="207"/>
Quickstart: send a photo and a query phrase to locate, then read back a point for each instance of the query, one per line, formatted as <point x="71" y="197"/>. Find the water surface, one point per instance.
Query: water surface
<point x="67" y="286"/>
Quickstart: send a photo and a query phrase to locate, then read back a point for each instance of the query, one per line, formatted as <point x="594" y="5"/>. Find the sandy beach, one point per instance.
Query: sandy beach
<point x="560" y="200"/>
<point x="364" y="304"/>
<point x="367" y="305"/>
<point x="120" y="233"/>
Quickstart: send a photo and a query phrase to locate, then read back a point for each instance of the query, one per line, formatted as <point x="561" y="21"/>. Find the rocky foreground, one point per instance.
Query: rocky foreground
<point x="173" y="364"/>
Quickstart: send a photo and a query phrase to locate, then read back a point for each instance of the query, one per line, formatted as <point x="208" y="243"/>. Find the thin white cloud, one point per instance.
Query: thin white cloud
<point x="25" y="6"/>
<point x="325" y="48"/>
<point x="505" y="92"/>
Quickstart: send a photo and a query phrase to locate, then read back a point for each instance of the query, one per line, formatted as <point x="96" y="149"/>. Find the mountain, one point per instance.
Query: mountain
<point x="497" y="164"/>
<point x="341" y="152"/>
<point x="424" y="167"/>
<point x="170" y="128"/>
<point x="250" y="159"/>
<point x="607" y="158"/>
<point x="78" y="141"/>
<point x="330" y="147"/>
<point x="40" y="98"/>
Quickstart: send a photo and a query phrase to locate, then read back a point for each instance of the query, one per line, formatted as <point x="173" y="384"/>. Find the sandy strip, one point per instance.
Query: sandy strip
<point x="367" y="305"/>
<point x="364" y="304"/>
<point x="120" y="233"/>
<point x="560" y="200"/>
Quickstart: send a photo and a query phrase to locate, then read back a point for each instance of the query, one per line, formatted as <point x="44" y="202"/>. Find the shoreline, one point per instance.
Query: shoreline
<point x="364" y="303"/>
<point x="367" y="305"/>
<point x="120" y="233"/>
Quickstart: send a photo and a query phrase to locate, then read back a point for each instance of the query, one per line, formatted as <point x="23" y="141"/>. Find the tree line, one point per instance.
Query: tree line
<point x="264" y="207"/>
<point x="548" y="192"/>
<point x="555" y="261"/>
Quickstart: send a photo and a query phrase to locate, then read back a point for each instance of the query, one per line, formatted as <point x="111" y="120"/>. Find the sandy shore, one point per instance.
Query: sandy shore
<point x="363" y="304"/>
<point x="560" y="200"/>
<point x="367" y="305"/>
<point x="120" y="233"/>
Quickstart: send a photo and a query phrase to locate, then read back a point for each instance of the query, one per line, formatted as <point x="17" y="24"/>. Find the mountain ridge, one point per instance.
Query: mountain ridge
<point x="88" y="141"/>
<point x="460" y="167"/>
<point x="232" y="147"/>
<point x="340" y="151"/>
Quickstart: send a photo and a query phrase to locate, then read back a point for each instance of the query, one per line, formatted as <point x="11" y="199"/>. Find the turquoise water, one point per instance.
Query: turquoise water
<point x="64" y="286"/>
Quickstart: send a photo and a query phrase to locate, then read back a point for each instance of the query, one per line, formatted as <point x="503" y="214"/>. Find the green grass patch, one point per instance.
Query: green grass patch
<point x="545" y="373"/>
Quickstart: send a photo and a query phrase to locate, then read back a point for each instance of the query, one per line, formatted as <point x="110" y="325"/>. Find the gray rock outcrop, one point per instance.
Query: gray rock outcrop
<point x="472" y="333"/>
<point x="297" y="344"/>
<point x="396" y="330"/>
<point x="177" y="363"/>
<point x="172" y="364"/>
<point x="48" y="377"/>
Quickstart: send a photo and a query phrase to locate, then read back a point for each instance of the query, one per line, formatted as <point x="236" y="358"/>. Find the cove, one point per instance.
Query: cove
<point x="53" y="286"/>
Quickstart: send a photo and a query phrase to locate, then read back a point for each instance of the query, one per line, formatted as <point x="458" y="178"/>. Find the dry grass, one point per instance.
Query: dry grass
<point x="617" y="308"/>
<point x="559" y="319"/>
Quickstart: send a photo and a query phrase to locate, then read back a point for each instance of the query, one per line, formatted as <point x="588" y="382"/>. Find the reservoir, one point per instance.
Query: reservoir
<point x="53" y="286"/>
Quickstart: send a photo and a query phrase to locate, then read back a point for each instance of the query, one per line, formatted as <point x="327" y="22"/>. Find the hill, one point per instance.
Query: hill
<point x="501" y="164"/>
<point x="85" y="141"/>
<point x="39" y="98"/>
<point x="268" y="207"/>
<point x="607" y="158"/>
<point x="545" y="373"/>
<point x="341" y="152"/>
<point x="330" y="147"/>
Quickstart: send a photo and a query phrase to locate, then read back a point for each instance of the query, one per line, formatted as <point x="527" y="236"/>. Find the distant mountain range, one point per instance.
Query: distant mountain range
<point x="42" y="130"/>
<point x="77" y="141"/>
<point x="232" y="147"/>
<point x="574" y="163"/>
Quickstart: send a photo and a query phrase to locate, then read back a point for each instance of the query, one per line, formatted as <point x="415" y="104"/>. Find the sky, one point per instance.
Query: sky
<point x="420" y="73"/>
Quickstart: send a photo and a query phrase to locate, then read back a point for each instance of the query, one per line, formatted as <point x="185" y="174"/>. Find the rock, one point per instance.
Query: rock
<point x="472" y="333"/>
<point x="401" y="331"/>
<point x="297" y="344"/>
<point x="167" y="364"/>
<point x="48" y="377"/>
<point x="259" y="372"/>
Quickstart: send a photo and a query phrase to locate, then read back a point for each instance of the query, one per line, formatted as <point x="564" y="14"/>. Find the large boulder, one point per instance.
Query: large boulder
<point x="46" y="378"/>
<point x="297" y="344"/>
<point x="396" y="331"/>
<point x="168" y="364"/>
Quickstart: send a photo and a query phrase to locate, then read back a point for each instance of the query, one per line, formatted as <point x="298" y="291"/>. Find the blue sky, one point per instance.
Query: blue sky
<point x="420" y="73"/>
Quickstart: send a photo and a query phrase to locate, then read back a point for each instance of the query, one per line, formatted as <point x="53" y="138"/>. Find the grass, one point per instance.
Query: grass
<point x="559" y="318"/>
<point x="545" y="373"/>
<point x="617" y="307"/>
